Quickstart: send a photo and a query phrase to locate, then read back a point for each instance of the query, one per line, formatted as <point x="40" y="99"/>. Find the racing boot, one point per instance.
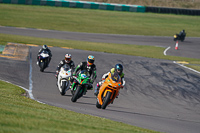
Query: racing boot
<point x="96" y="91"/>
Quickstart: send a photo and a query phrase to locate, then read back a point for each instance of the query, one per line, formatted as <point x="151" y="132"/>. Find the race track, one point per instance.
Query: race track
<point x="158" y="95"/>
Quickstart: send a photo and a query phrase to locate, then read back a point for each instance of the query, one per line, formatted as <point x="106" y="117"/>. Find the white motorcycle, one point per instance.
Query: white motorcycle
<point x="64" y="79"/>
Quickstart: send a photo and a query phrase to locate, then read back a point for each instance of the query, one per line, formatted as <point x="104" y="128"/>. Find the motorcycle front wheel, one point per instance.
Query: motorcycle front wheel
<point x="98" y="105"/>
<point x="42" y="66"/>
<point x="63" y="87"/>
<point x="106" y="100"/>
<point x="76" y="94"/>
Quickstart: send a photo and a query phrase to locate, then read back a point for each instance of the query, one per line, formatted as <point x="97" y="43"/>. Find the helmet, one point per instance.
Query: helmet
<point x="119" y="68"/>
<point x="44" y="47"/>
<point x="90" y="60"/>
<point x="68" y="58"/>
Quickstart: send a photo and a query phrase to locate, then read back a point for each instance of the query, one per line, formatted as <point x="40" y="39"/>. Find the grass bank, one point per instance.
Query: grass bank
<point x="97" y="21"/>
<point x="20" y="114"/>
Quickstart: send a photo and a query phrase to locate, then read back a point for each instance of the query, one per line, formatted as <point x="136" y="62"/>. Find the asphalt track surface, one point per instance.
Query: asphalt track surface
<point x="158" y="95"/>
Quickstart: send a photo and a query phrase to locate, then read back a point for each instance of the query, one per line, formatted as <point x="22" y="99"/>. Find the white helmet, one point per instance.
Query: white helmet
<point x="68" y="58"/>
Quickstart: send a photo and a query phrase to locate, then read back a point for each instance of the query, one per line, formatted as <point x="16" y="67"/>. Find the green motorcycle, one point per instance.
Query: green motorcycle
<point x="80" y="85"/>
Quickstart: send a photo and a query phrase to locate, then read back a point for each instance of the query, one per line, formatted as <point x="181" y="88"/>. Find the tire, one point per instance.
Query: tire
<point x="182" y="39"/>
<point x="63" y="87"/>
<point x="76" y="94"/>
<point x="98" y="105"/>
<point x="42" y="66"/>
<point x="106" y="100"/>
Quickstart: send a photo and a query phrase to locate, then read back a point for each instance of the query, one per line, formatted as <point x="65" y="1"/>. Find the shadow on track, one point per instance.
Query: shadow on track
<point x="49" y="72"/>
<point x="87" y="103"/>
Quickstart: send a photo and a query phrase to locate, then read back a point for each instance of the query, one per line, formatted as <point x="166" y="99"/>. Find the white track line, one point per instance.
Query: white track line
<point x="30" y="78"/>
<point x="186" y="67"/>
<point x="166" y="50"/>
<point x="180" y="64"/>
<point x="30" y="82"/>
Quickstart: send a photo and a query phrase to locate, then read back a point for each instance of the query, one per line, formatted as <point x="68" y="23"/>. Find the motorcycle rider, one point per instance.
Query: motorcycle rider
<point x="44" y="48"/>
<point x="90" y="67"/>
<point x="182" y="33"/>
<point x="119" y="69"/>
<point x="68" y="61"/>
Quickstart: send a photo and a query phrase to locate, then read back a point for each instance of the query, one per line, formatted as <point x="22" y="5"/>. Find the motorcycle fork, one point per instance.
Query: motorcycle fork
<point x="104" y="95"/>
<point x="73" y="84"/>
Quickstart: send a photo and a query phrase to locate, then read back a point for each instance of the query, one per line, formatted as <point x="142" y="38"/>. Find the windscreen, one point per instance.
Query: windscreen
<point x="66" y="67"/>
<point x="115" y="77"/>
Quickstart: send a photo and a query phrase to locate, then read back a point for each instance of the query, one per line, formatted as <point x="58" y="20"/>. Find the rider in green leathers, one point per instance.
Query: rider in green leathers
<point x="90" y="67"/>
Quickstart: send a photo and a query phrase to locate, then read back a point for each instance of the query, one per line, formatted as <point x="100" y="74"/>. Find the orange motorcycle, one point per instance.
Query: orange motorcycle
<point x="109" y="90"/>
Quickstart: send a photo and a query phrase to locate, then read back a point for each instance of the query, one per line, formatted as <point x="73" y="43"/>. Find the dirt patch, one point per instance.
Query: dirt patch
<point x="16" y="51"/>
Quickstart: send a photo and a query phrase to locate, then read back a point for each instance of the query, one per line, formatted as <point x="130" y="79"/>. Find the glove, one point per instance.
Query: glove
<point x="91" y="81"/>
<point x="56" y="73"/>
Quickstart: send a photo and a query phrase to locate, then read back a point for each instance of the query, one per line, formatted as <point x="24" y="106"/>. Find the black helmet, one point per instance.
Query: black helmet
<point x="44" y="47"/>
<point x="119" y="68"/>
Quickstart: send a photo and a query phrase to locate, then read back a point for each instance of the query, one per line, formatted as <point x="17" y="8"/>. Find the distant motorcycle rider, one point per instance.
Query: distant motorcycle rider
<point x="68" y="61"/>
<point x="119" y="69"/>
<point x="90" y="67"/>
<point x="182" y="33"/>
<point x="44" y="48"/>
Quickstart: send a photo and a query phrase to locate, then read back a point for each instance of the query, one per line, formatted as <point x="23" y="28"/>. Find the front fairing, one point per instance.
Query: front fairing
<point x="82" y="80"/>
<point x="65" y="72"/>
<point x="44" y="55"/>
<point x="109" y="85"/>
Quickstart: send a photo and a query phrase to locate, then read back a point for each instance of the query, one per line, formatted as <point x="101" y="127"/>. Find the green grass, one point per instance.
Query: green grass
<point x="20" y="114"/>
<point x="97" y="21"/>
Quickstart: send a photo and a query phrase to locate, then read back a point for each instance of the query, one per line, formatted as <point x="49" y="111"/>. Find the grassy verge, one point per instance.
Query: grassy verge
<point x="97" y="21"/>
<point x="135" y="50"/>
<point x="20" y="114"/>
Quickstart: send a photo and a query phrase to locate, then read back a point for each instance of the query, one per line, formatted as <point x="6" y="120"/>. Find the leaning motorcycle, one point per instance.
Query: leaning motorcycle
<point x="179" y="37"/>
<point x="63" y="81"/>
<point x="43" y="60"/>
<point x="108" y="90"/>
<point x="80" y="85"/>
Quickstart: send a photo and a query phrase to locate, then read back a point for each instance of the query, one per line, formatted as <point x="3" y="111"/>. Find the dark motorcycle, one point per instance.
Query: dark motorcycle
<point x="180" y="36"/>
<point x="43" y="60"/>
